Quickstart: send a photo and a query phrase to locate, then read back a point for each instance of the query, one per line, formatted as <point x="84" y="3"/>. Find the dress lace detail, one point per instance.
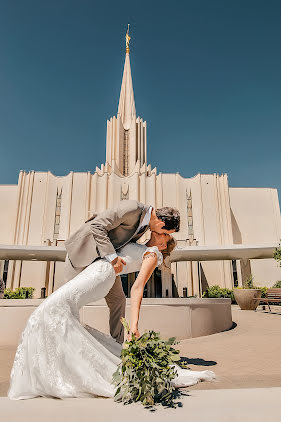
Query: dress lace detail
<point x="154" y="250"/>
<point x="57" y="356"/>
<point x="132" y="253"/>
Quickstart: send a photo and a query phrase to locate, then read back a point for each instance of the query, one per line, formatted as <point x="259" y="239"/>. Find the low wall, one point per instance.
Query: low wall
<point x="182" y="318"/>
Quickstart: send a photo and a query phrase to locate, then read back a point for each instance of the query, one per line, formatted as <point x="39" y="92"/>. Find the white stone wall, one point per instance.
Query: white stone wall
<point x="220" y="215"/>
<point x="256" y="220"/>
<point x="8" y="213"/>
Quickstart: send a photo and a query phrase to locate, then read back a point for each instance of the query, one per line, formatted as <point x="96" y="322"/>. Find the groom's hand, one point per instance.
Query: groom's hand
<point x="117" y="264"/>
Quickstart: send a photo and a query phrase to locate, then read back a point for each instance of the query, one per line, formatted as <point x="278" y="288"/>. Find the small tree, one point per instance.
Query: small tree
<point x="249" y="283"/>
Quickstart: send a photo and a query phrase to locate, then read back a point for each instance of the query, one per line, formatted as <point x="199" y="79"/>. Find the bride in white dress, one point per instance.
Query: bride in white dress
<point x="59" y="357"/>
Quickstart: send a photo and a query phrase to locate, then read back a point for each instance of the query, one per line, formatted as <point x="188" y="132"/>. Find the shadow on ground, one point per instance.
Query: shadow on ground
<point x="178" y="394"/>
<point x="197" y="361"/>
<point x="272" y="312"/>
<point x="234" y="325"/>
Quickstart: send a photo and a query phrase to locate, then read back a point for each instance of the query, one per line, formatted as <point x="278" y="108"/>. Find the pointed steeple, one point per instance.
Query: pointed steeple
<point x="126" y="107"/>
<point x="126" y="133"/>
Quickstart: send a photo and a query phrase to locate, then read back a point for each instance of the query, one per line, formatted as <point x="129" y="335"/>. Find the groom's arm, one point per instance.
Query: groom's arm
<point x="109" y="220"/>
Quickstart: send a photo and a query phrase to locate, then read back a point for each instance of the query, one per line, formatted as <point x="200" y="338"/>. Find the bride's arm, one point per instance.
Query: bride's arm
<point x="148" y="265"/>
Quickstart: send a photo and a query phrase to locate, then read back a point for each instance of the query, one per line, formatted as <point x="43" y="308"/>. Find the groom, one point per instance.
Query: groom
<point x="108" y="231"/>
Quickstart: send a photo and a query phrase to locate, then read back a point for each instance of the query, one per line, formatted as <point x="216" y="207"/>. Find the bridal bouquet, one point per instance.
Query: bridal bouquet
<point x="146" y="369"/>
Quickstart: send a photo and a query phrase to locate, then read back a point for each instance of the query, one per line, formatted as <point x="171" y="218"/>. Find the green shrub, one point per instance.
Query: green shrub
<point x="263" y="290"/>
<point x="217" y="291"/>
<point x="19" y="293"/>
<point x="277" y="285"/>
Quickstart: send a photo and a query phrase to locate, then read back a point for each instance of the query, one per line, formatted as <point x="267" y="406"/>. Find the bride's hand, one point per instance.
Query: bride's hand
<point x="117" y="264"/>
<point x="135" y="332"/>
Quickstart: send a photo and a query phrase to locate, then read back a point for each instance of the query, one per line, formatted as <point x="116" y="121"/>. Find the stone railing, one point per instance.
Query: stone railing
<point x="190" y="253"/>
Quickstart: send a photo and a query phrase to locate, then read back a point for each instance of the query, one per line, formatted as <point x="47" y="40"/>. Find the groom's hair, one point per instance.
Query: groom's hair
<point x="170" y="216"/>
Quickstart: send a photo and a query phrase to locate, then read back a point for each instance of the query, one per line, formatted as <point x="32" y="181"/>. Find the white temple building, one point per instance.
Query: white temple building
<point x="44" y="209"/>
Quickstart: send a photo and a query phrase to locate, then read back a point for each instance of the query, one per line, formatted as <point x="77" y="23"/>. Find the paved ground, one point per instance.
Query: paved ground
<point x="245" y="359"/>
<point x="240" y="405"/>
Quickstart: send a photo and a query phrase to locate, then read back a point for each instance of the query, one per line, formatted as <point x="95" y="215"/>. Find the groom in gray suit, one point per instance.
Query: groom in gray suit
<point x="108" y="231"/>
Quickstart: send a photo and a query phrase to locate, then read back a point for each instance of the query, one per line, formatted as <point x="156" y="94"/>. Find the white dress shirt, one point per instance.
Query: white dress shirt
<point x="145" y="222"/>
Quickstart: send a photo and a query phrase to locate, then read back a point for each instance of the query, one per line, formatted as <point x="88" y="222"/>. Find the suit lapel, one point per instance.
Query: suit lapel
<point x="141" y="232"/>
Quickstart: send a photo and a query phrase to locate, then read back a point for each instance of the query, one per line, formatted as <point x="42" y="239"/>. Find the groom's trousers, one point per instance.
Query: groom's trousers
<point x="115" y="299"/>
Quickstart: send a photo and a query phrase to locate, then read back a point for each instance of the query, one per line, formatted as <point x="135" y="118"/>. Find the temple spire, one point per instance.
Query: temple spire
<point x="126" y="134"/>
<point x="126" y="107"/>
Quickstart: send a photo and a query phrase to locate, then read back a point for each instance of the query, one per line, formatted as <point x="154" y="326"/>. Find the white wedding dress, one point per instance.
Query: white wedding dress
<point x="59" y="357"/>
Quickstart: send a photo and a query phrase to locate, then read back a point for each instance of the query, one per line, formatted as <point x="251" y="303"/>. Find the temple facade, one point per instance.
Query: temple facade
<point x="44" y="209"/>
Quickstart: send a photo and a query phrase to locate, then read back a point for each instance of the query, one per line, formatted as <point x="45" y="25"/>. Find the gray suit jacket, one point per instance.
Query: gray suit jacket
<point x="105" y="232"/>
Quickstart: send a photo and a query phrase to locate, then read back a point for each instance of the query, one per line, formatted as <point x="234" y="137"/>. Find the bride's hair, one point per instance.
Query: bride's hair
<point x="171" y="244"/>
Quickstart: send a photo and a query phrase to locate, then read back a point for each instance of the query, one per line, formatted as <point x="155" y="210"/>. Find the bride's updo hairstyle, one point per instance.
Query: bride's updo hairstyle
<point x="171" y="244"/>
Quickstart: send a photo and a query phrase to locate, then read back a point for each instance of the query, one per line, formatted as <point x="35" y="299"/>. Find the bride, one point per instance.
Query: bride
<point x="59" y="357"/>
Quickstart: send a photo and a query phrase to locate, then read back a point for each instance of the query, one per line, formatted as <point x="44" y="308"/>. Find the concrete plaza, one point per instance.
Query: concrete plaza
<point x="248" y="386"/>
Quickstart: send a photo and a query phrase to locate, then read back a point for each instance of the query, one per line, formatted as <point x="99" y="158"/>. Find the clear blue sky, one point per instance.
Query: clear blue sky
<point x="206" y="75"/>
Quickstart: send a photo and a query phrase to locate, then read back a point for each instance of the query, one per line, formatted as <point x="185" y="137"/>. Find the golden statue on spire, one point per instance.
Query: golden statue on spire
<point x="128" y="40"/>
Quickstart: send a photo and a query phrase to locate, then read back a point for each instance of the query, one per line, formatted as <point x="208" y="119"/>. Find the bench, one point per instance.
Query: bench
<point x="272" y="295"/>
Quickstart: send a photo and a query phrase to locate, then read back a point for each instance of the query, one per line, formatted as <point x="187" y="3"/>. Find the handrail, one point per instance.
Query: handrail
<point x="32" y="253"/>
<point x="227" y="252"/>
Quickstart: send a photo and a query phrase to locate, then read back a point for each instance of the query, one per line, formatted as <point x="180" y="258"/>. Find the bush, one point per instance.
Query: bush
<point x="263" y="290"/>
<point x="217" y="291"/>
<point x="277" y="285"/>
<point x="19" y="293"/>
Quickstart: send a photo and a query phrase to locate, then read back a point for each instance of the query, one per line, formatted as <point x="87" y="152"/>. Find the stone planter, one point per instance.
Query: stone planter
<point x="198" y="317"/>
<point x="244" y="298"/>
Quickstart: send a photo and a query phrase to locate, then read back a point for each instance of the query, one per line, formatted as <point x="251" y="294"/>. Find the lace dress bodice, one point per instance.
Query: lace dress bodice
<point x="132" y="253"/>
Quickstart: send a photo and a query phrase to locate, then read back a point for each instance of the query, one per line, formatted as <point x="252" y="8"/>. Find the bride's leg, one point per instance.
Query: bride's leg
<point x="116" y="301"/>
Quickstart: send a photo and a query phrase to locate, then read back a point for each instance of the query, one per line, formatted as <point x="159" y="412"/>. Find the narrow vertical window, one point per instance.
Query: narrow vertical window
<point x="57" y="215"/>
